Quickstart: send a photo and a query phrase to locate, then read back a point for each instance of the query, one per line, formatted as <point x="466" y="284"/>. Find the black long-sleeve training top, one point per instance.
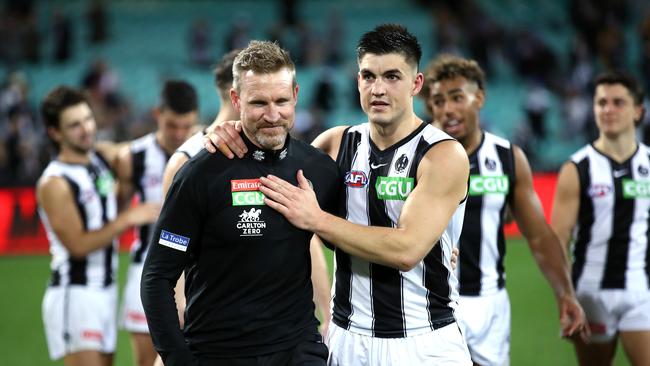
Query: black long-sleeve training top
<point x="247" y="268"/>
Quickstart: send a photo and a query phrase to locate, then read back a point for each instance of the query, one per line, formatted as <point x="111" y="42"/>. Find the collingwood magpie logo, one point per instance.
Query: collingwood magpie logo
<point x="258" y="155"/>
<point x="490" y="164"/>
<point x="401" y="164"/>
<point x="250" y="223"/>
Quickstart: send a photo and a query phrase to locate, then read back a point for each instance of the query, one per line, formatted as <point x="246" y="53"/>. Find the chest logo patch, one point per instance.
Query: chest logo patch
<point x="401" y="164"/>
<point x="599" y="190"/>
<point x="636" y="189"/>
<point x="394" y="188"/>
<point x="245" y="192"/>
<point x="356" y="179"/>
<point x="250" y="223"/>
<point x="481" y="184"/>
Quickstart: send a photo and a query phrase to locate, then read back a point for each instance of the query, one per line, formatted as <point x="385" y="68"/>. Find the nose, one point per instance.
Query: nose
<point x="272" y="114"/>
<point x="378" y="87"/>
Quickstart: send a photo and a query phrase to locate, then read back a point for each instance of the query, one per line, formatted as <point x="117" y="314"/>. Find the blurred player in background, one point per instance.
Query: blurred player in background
<point x="602" y="207"/>
<point x="139" y="168"/>
<point x="78" y="207"/>
<point x="500" y="177"/>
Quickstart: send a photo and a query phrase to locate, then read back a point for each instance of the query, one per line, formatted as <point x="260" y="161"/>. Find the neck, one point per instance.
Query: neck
<point x="472" y="141"/>
<point x="619" y="147"/>
<point x="168" y="149"/>
<point x="386" y="135"/>
<point x="73" y="157"/>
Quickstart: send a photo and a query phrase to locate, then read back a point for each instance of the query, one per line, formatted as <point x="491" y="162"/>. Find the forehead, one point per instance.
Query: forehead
<point x="456" y="84"/>
<point x="279" y="82"/>
<point x="75" y="113"/>
<point x="169" y="115"/>
<point x="381" y="63"/>
<point x="612" y="91"/>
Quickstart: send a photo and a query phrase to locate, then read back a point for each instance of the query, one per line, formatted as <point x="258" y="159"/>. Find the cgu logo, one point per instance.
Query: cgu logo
<point x="394" y="188"/>
<point x="480" y="185"/>
<point x="250" y="198"/>
<point x="356" y="179"/>
<point x="635" y="189"/>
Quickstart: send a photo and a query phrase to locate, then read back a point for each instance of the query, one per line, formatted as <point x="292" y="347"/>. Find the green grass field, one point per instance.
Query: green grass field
<point x="535" y="334"/>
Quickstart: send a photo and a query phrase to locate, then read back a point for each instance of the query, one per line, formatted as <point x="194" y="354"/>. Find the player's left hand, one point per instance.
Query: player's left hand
<point x="572" y="319"/>
<point x="296" y="204"/>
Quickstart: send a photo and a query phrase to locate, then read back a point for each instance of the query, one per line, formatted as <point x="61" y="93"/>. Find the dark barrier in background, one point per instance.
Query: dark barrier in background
<point x="21" y="231"/>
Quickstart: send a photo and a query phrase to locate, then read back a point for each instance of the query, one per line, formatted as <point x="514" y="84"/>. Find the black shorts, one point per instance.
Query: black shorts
<point x="311" y="351"/>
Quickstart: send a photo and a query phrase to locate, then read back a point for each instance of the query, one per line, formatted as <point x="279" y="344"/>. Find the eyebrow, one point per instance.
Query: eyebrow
<point x="391" y="71"/>
<point x="450" y="92"/>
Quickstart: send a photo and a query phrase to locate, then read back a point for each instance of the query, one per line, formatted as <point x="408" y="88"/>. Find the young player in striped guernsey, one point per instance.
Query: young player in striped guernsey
<point x="78" y="209"/>
<point x="602" y="206"/>
<point x="405" y="188"/>
<point x="139" y="169"/>
<point x="500" y="177"/>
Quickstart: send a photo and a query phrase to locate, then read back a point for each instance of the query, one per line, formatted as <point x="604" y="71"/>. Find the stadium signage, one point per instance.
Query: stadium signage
<point x="394" y="188"/>
<point x="480" y="185"/>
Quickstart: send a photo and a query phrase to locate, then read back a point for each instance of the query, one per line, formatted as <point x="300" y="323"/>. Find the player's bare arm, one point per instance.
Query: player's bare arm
<point x="124" y="175"/>
<point x="566" y="203"/>
<point x="330" y="141"/>
<point x="110" y="150"/>
<point x="545" y="247"/>
<point x="442" y="183"/>
<point x="321" y="282"/>
<point x="56" y="198"/>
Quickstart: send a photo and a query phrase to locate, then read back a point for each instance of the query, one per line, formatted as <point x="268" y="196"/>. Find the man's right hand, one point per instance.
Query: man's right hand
<point x="225" y="138"/>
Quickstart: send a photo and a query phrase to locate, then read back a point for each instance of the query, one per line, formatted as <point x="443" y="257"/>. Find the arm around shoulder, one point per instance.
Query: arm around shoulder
<point x="442" y="183"/>
<point x="330" y="140"/>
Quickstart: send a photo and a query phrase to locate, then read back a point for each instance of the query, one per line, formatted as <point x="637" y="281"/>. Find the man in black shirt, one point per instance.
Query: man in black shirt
<point x="248" y="287"/>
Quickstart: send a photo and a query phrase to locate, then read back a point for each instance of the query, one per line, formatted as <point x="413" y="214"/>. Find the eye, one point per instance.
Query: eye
<point x="438" y="102"/>
<point x="367" y="77"/>
<point x="392" y="77"/>
<point x="458" y="98"/>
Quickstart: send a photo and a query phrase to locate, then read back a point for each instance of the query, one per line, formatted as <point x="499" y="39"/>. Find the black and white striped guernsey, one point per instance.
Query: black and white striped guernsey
<point x="376" y="300"/>
<point x="610" y="246"/>
<point x="92" y="186"/>
<point x="193" y="145"/>
<point x="482" y="246"/>
<point x="148" y="160"/>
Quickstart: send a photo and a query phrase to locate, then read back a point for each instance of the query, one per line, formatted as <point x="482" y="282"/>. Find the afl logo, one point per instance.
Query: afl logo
<point x="401" y="163"/>
<point x="599" y="190"/>
<point x="356" y="179"/>
<point x="643" y="170"/>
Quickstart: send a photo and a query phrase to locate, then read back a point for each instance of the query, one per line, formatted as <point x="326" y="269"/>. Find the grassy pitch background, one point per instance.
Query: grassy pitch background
<point x="534" y="340"/>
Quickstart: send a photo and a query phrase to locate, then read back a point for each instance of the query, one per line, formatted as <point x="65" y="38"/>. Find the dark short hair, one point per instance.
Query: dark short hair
<point x="629" y="82"/>
<point x="447" y="67"/>
<point x="179" y="96"/>
<point x="56" y="101"/>
<point x="390" y="38"/>
<point x="223" y="72"/>
<point x="625" y="79"/>
<point x="262" y="57"/>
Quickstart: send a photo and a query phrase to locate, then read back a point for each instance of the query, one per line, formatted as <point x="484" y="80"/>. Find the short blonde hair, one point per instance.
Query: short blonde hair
<point x="262" y="57"/>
